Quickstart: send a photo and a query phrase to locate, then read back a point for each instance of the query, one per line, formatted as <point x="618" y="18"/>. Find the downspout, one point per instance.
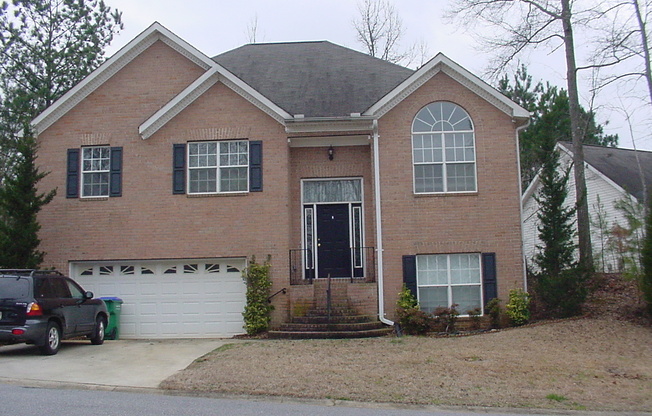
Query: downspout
<point x="520" y="198"/>
<point x="379" y="229"/>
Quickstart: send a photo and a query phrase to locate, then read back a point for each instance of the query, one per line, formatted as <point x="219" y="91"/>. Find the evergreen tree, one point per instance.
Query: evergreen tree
<point x="46" y="47"/>
<point x="20" y="203"/>
<point x="549" y="106"/>
<point x="646" y="261"/>
<point x="559" y="283"/>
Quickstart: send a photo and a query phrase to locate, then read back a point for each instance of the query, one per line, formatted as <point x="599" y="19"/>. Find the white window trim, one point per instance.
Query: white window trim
<point x="444" y="162"/>
<point x="218" y="168"/>
<point x="86" y="172"/>
<point x="449" y="286"/>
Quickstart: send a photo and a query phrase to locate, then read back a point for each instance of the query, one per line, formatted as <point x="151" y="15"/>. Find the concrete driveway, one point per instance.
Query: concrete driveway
<point x="123" y="363"/>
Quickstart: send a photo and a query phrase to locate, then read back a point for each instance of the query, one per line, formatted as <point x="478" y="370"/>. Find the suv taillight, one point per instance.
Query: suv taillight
<point x="34" y="309"/>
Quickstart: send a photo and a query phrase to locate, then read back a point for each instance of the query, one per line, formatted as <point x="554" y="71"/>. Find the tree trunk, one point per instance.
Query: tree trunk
<point x="645" y="46"/>
<point x="582" y="206"/>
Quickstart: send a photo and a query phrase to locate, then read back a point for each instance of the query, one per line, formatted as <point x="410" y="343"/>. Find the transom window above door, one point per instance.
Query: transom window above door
<point x="330" y="191"/>
<point x="215" y="167"/>
<point x="443" y="149"/>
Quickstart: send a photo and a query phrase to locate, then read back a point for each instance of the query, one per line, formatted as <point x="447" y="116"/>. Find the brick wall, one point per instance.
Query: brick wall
<point x="485" y="221"/>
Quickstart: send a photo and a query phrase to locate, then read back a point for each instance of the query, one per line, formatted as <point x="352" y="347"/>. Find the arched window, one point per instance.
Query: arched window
<point x="443" y="149"/>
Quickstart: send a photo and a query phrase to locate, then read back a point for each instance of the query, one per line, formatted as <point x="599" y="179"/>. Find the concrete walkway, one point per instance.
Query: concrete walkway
<point x="123" y="363"/>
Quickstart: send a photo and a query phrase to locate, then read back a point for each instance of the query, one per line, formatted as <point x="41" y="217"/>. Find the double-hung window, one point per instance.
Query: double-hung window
<point x="218" y="167"/>
<point x="447" y="279"/>
<point x="94" y="172"/>
<point x="96" y="167"/>
<point x="443" y="149"/>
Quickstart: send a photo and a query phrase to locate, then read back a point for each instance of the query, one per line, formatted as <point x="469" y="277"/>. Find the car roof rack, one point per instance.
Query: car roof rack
<point x="30" y="272"/>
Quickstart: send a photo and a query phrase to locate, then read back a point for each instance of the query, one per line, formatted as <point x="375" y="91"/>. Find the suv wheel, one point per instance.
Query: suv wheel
<point x="52" y="340"/>
<point x="98" y="333"/>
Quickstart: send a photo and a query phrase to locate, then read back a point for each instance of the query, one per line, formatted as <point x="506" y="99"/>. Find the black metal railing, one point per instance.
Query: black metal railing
<point x="304" y="268"/>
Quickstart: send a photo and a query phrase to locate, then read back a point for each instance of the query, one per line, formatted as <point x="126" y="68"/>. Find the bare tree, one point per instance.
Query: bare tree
<point x="379" y="28"/>
<point x="626" y="40"/>
<point x="252" y="29"/>
<point x="532" y="23"/>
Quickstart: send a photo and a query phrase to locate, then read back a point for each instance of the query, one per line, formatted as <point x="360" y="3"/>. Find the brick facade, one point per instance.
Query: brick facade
<point x="149" y="222"/>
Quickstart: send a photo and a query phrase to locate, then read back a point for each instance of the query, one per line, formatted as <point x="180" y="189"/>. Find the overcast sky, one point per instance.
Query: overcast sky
<point x="216" y="26"/>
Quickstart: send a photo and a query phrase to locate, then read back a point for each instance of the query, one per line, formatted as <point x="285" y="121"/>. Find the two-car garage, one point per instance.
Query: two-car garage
<point x="171" y="298"/>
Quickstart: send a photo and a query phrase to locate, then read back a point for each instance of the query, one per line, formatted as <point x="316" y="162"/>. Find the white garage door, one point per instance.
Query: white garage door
<point x="171" y="299"/>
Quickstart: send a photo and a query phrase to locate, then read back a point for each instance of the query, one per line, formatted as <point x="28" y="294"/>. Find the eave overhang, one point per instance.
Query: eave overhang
<point x="441" y="63"/>
<point x="114" y="64"/>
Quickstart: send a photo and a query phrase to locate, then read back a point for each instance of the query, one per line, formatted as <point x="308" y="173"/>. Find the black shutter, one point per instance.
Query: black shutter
<point x="115" y="181"/>
<point x="255" y="166"/>
<point x="410" y="273"/>
<point x="489" y="280"/>
<point x="72" y="174"/>
<point x="179" y="169"/>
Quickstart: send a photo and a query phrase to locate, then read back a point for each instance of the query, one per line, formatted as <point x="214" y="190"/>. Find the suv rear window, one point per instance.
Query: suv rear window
<point x="14" y="288"/>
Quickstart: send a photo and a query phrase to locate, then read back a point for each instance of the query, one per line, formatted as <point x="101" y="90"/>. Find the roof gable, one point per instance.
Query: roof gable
<point x="619" y="165"/>
<point x="112" y="65"/>
<point x="441" y="63"/>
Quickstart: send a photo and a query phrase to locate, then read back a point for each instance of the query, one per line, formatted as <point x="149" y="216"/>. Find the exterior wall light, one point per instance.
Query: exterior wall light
<point x="331" y="152"/>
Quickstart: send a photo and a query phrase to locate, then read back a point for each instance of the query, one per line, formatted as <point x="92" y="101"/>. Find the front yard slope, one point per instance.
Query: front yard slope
<point x="582" y="364"/>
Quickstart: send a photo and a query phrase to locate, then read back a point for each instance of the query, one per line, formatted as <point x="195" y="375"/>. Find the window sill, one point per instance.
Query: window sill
<point x="94" y="198"/>
<point x="445" y="194"/>
<point x="217" y="195"/>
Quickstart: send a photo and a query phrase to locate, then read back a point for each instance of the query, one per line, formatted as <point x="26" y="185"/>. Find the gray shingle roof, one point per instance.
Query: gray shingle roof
<point x="316" y="79"/>
<point x="620" y="166"/>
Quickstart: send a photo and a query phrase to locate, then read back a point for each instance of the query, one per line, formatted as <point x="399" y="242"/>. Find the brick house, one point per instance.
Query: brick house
<point x="174" y="169"/>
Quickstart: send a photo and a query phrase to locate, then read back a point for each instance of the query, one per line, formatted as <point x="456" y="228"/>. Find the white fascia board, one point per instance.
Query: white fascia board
<point x="216" y="74"/>
<point x="329" y="124"/>
<point x="112" y="65"/>
<point x="176" y="105"/>
<point x="442" y="63"/>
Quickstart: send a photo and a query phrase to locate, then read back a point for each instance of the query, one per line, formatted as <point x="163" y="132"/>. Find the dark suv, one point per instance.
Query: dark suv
<point x="43" y="307"/>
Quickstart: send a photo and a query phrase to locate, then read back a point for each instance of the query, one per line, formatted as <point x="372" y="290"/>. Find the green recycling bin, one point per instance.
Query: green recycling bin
<point x="113" y="307"/>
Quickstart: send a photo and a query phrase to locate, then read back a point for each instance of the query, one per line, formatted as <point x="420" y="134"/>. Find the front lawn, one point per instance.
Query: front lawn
<point x="583" y="364"/>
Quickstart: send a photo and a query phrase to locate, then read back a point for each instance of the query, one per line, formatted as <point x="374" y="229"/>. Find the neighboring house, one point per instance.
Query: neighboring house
<point x="612" y="175"/>
<point x="174" y="169"/>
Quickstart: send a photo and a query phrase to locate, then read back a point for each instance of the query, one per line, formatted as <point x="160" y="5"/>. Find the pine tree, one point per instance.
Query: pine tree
<point x="20" y="203"/>
<point x="645" y="281"/>
<point x="559" y="283"/>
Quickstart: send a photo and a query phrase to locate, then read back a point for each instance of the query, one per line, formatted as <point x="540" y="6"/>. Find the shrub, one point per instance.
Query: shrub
<point x="447" y="317"/>
<point x="493" y="308"/>
<point x="474" y="314"/>
<point x="518" y="307"/>
<point x="562" y="295"/>
<point x="412" y="320"/>
<point x="257" y="313"/>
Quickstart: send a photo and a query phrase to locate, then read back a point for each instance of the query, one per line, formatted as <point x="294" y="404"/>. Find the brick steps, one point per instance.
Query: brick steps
<point x="332" y="327"/>
<point x="341" y="320"/>
<point x="329" y="334"/>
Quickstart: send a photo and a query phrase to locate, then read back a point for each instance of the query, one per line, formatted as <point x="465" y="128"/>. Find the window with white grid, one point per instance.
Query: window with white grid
<point x="218" y="167"/>
<point x="443" y="149"/>
<point x="447" y="279"/>
<point x="96" y="165"/>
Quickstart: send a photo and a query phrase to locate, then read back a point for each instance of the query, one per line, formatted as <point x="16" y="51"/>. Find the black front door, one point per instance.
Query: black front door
<point x="333" y="246"/>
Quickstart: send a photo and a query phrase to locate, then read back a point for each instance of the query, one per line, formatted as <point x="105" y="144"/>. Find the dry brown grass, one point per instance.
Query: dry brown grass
<point x="590" y="363"/>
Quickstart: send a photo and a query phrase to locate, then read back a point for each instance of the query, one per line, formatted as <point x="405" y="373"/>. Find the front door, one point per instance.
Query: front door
<point x="333" y="240"/>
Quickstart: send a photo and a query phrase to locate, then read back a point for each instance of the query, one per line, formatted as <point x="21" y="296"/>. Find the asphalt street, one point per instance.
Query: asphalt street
<point x="30" y="401"/>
